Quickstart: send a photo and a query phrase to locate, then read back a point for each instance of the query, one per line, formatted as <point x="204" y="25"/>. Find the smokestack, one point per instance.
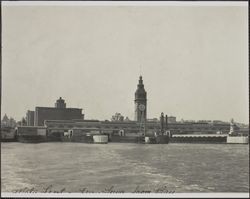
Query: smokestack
<point x="166" y="122"/>
<point x="162" y="123"/>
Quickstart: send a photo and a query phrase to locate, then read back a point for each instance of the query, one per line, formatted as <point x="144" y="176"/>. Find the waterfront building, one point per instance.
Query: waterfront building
<point x="5" y="121"/>
<point x="30" y="118"/>
<point x="171" y="119"/>
<point x="59" y="112"/>
<point x="23" y="122"/>
<point x="152" y="120"/>
<point x="61" y="119"/>
<point x="133" y="127"/>
<point x="117" y="117"/>
<point x="8" y="122"/>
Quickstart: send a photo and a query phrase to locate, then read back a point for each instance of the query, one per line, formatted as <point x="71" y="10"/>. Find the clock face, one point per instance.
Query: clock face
<point x="141" y="107"/>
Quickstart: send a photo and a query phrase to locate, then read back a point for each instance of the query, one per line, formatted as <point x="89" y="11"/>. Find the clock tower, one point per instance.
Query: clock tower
<point x="140" y="102"/>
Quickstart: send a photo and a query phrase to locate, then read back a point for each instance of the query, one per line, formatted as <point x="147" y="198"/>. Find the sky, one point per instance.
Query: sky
<point x="193" y="60"/>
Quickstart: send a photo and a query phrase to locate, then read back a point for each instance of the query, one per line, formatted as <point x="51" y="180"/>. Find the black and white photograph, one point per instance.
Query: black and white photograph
<point x="124" y="99"/>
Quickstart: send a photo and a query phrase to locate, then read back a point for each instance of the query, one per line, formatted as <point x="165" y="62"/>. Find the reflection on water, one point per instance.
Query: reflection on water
<point x="75" y="166"/>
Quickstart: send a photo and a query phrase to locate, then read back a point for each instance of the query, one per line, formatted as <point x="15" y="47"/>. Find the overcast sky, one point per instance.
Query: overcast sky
<point x="194" y="60"/>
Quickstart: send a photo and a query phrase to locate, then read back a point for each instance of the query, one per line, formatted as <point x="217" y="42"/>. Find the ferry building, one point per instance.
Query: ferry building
<point x="61" y="119"/>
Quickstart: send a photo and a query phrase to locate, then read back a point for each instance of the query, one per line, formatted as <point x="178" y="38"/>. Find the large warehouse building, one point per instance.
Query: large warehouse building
<point x="61" y="119"/>
<point x="133" y="127"/>
<point x="59" y="112"/>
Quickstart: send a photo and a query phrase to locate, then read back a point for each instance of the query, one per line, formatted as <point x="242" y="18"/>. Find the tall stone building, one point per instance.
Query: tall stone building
<point x="59" y="112"/>
<point x="140" y="102"/>
<point x="30" y="118"/>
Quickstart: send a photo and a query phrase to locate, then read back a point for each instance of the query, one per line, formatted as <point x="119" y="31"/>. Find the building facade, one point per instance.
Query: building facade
<point x="30" y="118"/>
<point x="50" y="113"/>
<point x="171" y="119"/>
<point x="8" y="122"/>
<point x="61" y="119"/>
<point x="133" y="127"/>
<point x="59" y="112"/>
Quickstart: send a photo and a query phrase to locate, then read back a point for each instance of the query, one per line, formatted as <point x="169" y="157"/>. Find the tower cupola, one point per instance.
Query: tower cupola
<point x="60" y="103"/>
